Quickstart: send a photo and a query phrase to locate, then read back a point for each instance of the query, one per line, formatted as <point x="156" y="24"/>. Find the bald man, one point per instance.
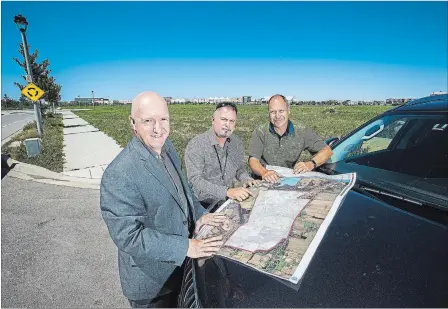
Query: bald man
<point x="280" y="143"/>
<point x="150" y="210"/>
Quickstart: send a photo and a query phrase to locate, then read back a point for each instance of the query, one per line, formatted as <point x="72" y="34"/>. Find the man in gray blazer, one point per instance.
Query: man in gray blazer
<point x="150" y="210"/>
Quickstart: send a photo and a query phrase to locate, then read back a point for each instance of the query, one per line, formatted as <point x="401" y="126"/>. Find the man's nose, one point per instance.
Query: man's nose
<point x="157" y="128"/>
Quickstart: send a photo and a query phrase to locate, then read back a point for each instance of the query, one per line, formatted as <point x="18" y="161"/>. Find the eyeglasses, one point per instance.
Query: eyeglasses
<point x="225" y="104"/>
<point x="151" y="122"/>
<point x="281" y="112"/>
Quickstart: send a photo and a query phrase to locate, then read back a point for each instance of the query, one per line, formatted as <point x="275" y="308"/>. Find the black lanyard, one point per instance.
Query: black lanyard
<point x="219" y="161"/>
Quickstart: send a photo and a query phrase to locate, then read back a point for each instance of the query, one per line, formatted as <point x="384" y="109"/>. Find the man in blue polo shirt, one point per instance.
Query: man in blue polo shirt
<point x="280" y="143"/>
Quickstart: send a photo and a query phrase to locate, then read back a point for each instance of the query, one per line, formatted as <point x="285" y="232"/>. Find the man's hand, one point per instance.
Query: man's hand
<point x="271" y="176"/>
<point x="251" y="183"/>
<point x="203" y="248"/>
<point x="302" y="167"/>
<point x="210" y="219"/>
<point x="239" y="194"/>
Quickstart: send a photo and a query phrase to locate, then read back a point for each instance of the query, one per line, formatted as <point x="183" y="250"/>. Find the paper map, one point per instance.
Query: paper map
<point x="279" y="230"/>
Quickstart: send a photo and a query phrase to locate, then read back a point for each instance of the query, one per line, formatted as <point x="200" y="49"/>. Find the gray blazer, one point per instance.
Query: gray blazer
<point x="145" y="218"/>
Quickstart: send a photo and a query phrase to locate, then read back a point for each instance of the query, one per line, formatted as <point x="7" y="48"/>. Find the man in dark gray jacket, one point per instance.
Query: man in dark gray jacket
<point x="150" y="210"/>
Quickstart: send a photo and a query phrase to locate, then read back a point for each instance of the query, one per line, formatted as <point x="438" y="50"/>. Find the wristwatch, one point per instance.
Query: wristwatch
<point x="314" y="164"/>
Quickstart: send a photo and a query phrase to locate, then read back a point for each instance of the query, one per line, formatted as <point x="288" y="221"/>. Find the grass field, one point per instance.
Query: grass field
<point x="189" y="120"/>
<point x="52" y="155"/>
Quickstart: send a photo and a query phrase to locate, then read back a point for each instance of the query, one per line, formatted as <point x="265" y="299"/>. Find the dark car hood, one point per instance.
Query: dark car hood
<point x="372" y="255"/>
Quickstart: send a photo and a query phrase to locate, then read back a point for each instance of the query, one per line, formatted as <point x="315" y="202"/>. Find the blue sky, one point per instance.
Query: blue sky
<point x="312" y="50"/>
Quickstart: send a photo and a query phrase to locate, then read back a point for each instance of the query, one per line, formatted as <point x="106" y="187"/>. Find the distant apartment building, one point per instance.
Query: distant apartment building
<point x="178" y="100"/>
<point x="216" y="100"/>
<point x="398" y="101"/>
<point x="289" y="99"/>
<point x="246" y="99"/>
<point x="438" y="93"/>
<point x="199" y="100"/>
<point x="86" y="101"/>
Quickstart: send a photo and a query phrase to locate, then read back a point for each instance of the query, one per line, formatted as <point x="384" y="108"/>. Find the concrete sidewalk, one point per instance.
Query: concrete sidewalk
<point x="40" y="174"/>
<point x="87" y="150"/>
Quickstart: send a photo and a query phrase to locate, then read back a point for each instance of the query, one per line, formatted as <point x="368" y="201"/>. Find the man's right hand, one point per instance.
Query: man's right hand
<point x="239" y="194"/>
<point x="271" y="176"/>
<point x="204" y="248"/>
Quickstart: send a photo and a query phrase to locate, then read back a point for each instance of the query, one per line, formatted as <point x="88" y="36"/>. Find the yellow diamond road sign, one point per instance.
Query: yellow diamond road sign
<point x="32" y="92"/>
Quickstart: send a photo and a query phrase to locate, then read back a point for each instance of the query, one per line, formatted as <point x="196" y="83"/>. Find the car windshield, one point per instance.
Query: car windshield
<point x="408" y="150"/>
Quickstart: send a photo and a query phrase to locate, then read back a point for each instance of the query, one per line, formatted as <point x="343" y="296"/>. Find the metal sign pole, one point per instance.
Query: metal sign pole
<point x="29" y="79"/>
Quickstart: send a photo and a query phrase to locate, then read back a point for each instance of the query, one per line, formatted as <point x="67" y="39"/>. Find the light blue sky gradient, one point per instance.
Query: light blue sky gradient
<point x="312" y="50"/>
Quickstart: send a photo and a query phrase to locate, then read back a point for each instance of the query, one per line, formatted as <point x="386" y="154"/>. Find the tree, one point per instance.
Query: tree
<point x="41" y="76"/>
<point x="23" y="101"/>
<point x="6" y="101"/>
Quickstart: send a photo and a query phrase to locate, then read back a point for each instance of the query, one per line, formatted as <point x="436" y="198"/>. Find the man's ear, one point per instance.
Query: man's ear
<point x="132" y="122"/>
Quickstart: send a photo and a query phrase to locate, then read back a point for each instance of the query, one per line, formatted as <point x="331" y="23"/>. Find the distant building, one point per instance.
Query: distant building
<point x="398" y="101"/>
<point x="439" y="93"/>
<point x="289" y="99"/>
<point x="180" y="100"/>
<point x="83" y="100"/>
<point x="99" y="101"/>
<point x="168" y="99"/>
<point x="246" y="99"/>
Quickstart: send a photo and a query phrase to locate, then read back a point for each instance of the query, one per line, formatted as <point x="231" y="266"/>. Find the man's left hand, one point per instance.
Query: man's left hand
<point x="302" y="167"/>
<point x="251" y="183"/>
<point x="210" y="219"/>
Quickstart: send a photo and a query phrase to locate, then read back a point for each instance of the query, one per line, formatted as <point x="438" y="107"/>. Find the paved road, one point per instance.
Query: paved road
<point x="56" y="250"/>
<point x="13" y="122"/>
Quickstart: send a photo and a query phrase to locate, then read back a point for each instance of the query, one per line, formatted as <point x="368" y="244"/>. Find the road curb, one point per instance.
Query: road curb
<point x="6" y="140"/>
<point x="36" y="173"/>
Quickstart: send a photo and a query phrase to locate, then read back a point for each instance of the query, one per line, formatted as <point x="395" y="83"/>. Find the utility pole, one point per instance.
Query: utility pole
<point x="22" y="24"/>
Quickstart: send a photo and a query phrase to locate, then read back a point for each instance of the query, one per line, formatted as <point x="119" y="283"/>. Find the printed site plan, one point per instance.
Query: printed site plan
<point x="278" y="230"/>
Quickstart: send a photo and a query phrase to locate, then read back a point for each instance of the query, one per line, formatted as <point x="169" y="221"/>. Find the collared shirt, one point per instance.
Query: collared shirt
<point x="270" y="148"/>
<point x="289" y="129"/>
<point x="212" y="169"/>
<point x="170" y="169"/>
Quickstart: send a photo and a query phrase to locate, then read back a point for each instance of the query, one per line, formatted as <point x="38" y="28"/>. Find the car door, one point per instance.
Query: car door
<point x="403" y="155"/>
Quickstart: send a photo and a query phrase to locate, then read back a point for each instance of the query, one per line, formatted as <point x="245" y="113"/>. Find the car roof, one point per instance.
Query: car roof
<point x="434" y="103"/>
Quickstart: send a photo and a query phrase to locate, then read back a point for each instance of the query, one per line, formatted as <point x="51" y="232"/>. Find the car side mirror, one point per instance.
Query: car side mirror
<point x="331" y="141"/>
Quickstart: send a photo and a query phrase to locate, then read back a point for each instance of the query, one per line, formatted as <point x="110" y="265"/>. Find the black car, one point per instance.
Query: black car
<point x="387" y="246"/>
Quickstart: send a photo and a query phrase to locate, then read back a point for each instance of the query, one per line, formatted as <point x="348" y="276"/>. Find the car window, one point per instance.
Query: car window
<point x="376" y="137"/>
<point x="413" y="145"/>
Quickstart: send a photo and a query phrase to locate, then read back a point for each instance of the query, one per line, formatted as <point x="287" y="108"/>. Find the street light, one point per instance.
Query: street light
<point x="22" y="25"/>
<point x="21" y="22"/>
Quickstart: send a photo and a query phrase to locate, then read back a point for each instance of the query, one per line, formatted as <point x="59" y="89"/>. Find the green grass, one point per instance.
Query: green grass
<point x="189" y="120"/>
<point x="52" y="155"/>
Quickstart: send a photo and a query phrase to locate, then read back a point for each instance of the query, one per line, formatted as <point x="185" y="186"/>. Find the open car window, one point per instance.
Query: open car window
<point x="411" y="145"/>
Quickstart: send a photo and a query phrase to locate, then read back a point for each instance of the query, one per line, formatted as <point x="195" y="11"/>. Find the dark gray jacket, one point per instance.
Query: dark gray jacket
<point x="145" y="218"/>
